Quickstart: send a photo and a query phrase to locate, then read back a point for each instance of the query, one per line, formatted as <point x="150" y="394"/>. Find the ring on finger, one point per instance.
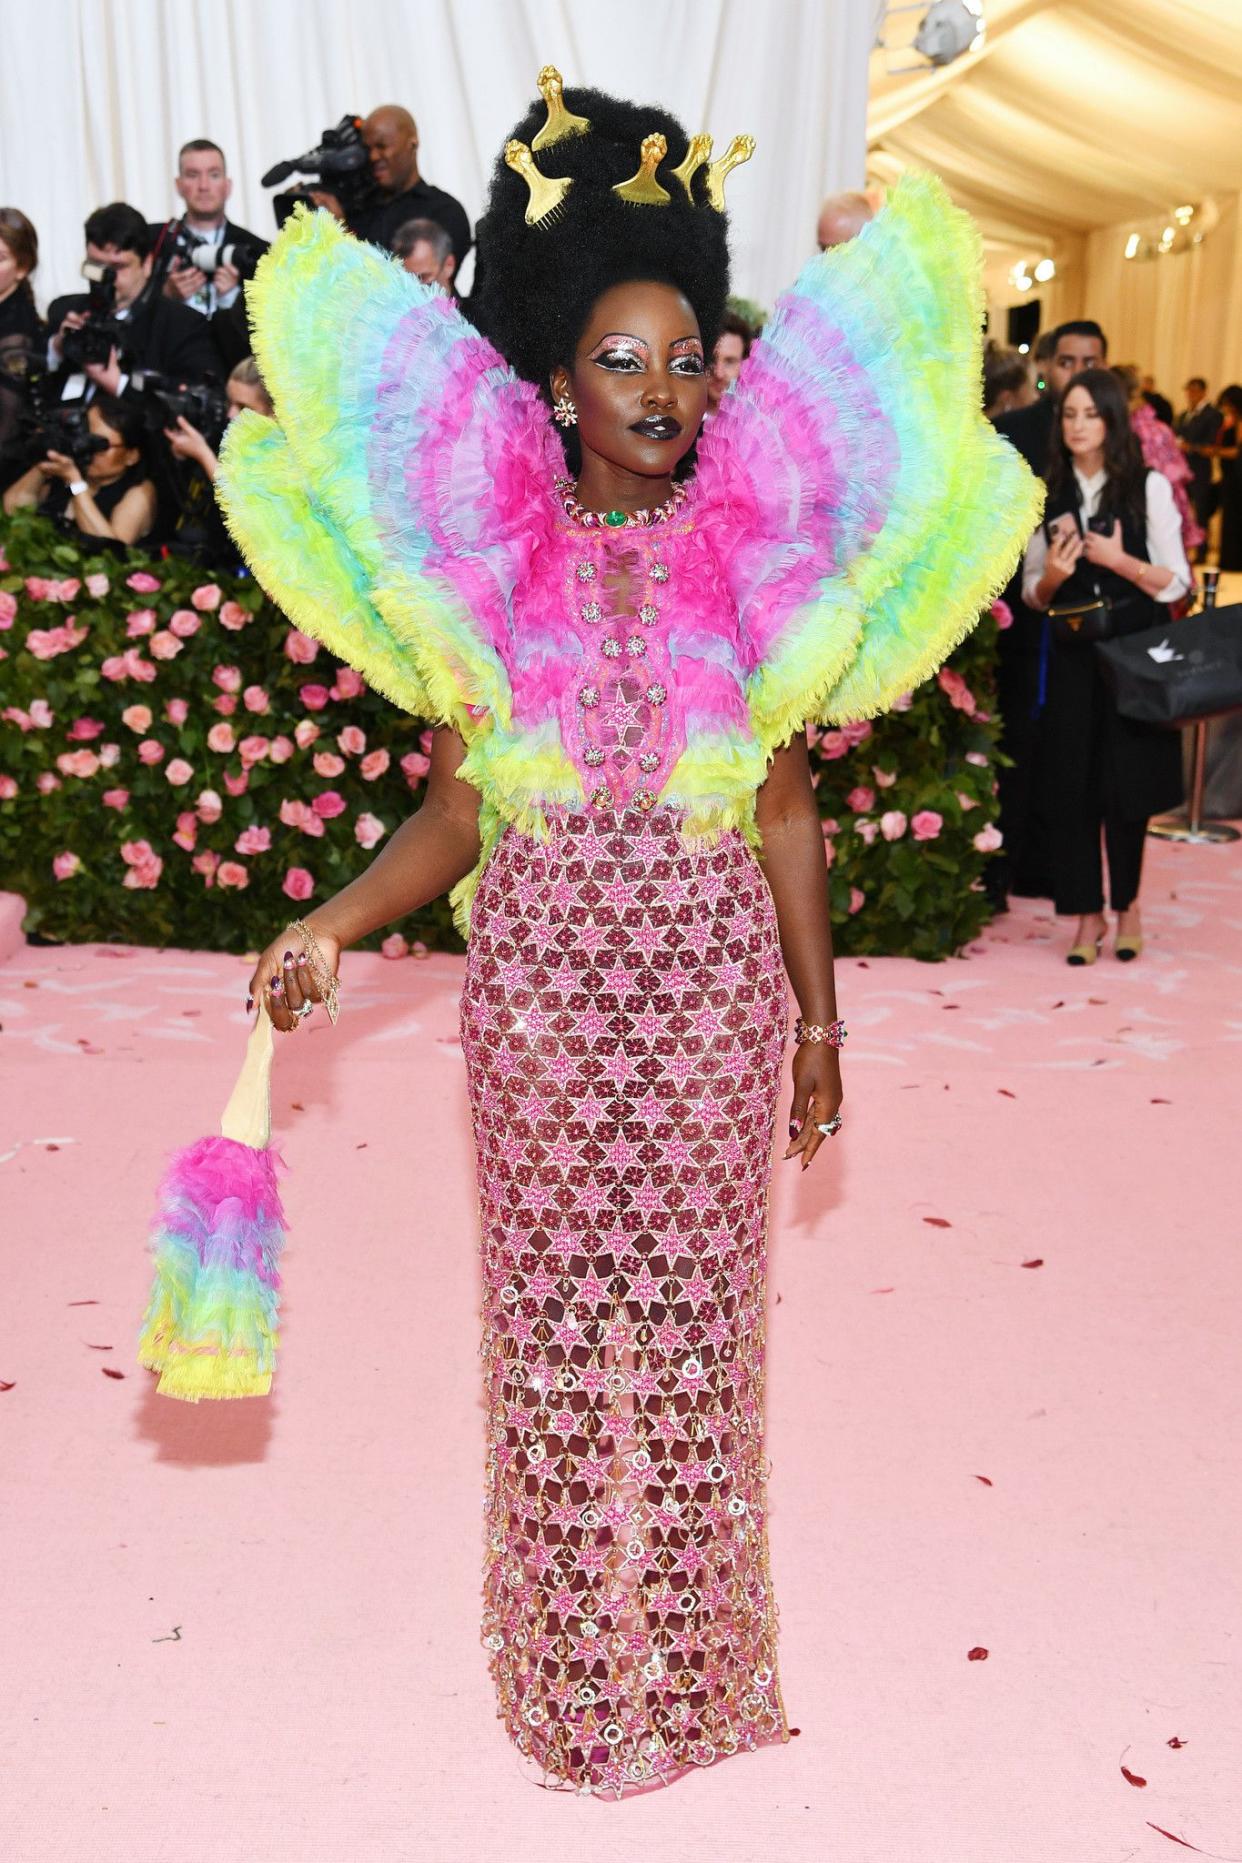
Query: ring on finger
<point x="830" y="1127"/>
<point x="303" y="1011"/>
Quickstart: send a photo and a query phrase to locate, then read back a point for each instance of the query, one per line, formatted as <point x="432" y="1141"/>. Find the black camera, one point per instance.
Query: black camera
<point x="340" y="163"/>
<point x="38" y="424"/>
<point x="97" y="338"/>
<point x="203" y="404"/>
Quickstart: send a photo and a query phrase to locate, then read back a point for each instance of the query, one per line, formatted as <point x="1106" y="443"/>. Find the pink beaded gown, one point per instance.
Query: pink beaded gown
<point x="620" y="692"/>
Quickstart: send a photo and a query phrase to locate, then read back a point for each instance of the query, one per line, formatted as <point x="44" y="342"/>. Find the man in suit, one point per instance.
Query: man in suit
<point x="155" y="332"/>
<point x="204" y="184"/>
<point x="1025" y="865"/>
<point x="1198" y="425"/>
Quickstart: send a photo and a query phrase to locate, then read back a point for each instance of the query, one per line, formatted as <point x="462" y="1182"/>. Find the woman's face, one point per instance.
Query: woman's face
<point x="11" y="273"/>
<point x="104" y="467"/>
<point x="247" y="395"/>
<point x="1082" y="428"/>
<point x="638" y="378"/>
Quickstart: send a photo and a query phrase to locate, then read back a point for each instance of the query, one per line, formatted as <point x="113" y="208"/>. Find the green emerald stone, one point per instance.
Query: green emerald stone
<point x="614" y="518"/>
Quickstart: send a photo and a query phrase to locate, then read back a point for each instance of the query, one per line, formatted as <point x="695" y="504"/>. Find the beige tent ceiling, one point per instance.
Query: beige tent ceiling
<point x="1074" y="114"/>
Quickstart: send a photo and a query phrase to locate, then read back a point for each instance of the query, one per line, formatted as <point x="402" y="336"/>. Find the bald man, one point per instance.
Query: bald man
<point x="391" y="136"/>
<point x="842" y="217"/>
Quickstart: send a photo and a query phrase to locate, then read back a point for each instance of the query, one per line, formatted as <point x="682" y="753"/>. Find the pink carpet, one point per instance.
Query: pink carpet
<point x="1003" y="1416"/>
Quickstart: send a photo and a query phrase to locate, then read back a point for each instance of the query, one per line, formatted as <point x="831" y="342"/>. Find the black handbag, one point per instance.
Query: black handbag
<point x="1174" y="674"/>
<point x="1085" y="622"/>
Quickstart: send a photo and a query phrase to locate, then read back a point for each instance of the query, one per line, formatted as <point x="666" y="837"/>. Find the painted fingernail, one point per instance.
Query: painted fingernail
<point x="249" y="1003"/>
<point x="277" y="987"/>
<point x="793" y="1128"/>
<point x="289" y="964"/>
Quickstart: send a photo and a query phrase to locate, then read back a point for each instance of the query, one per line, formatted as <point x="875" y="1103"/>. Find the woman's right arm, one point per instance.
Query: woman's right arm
<point x="27" y="490"/>
<point x="426" y="856"/>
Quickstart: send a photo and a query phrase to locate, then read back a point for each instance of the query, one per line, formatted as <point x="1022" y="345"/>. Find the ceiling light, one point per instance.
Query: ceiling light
<point x="1023" y="349"/>
<point x="1045" y="270"/>
<point x="1132" y="245"/>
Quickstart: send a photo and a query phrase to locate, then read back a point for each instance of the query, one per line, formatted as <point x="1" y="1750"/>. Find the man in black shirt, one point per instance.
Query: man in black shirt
<point x="1198" y="425"/>
<point x="391" y="136"/>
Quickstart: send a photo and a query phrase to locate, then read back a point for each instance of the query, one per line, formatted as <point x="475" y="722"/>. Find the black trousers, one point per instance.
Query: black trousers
<point x="1086" y="801"/>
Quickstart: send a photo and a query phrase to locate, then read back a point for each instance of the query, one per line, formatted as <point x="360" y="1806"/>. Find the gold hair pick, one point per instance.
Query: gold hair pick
<point x="546" y="191"/>
<point x="642" y="189"/>
<point x="561" y="122"/>
<point x="739" y="150"/>
<point x="699" y="152"/>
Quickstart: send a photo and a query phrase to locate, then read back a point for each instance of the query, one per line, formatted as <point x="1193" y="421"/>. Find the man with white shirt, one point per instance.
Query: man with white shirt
<point x="204" y="184"/>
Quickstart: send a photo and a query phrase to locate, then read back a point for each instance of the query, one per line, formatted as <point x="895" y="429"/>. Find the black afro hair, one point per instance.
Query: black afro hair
<point x="535" y="285"/>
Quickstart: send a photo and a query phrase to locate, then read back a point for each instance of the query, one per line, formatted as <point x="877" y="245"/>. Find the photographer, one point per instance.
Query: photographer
<point x="245" y="389"/>
<point x="204" y="186"/>
<point x="140" y="329"/>
<point x="200" y="530"/>
<point x="22" y="338"/>
<point x="391" y="137"/>
<point x="106" y="489"/>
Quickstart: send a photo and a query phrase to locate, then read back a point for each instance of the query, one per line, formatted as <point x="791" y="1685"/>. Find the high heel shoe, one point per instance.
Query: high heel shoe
<point x="1084" y="953"/>
<point x="1128" y="947"/>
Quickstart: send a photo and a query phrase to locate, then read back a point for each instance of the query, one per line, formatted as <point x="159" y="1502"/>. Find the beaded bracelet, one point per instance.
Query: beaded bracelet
<point x="833" y="1033"/>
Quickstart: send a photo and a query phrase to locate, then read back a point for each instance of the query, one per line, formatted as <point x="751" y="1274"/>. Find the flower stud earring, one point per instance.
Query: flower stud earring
<point x="564" y="413"/>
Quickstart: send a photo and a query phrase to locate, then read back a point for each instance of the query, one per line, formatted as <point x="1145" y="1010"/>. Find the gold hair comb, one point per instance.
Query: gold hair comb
<point x="739" y="150"/>
<point x="561" y="122"/>
<point x="642" y="189"/>
<point x="546" y="191"/>
<point x="699" y="152"/>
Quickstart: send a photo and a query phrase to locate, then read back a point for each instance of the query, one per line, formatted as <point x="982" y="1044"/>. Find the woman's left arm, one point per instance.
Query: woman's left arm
<point x="793" y="863"/>
<point x="1167" y="575"/>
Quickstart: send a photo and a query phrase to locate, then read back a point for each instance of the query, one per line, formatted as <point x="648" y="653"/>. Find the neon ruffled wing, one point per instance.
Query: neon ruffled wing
<point x="867" y="511"/>
<point x="385" y="509"/>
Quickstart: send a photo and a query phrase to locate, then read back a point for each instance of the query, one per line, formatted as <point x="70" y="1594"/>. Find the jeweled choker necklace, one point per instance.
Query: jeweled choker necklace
<point x="619" y="520"/>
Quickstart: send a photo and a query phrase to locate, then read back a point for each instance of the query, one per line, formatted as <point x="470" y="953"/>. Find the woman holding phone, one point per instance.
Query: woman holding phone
<point x="1106" y="559"/>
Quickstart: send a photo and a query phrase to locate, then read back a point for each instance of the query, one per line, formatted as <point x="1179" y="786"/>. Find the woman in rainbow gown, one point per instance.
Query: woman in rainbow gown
<point x="507" y="527"/>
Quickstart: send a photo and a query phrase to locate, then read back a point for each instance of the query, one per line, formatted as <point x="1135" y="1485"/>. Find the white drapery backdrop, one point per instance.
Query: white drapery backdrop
<point x="96" y="96"/>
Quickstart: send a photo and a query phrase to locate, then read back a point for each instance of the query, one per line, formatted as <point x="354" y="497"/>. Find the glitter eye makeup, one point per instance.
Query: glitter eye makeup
<point x="619" y="348"/>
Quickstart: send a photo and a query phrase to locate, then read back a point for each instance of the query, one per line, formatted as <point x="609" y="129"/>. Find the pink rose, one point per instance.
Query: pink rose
<point x="419" y="949"/>
<point x="866" y="830"/>
<point x="109" y="756"/>
<point x="82" y="730"/>
<point x="46" y="643"/>
<point x="187" y="830"/>
<point x="209" y="806"/>
<point x="1002" y="614"/>
<point x="964" y="801"/>
<point x="140" y="621"/>
<point x="352" y="741"/>
<point x="349" y="684"/>
<point x="114" y="667"/>
<point x="144" y="671"/>
<point x="77" y="763"/>
<point x="8" y="608"/>
<point x="415" y="766"/>
<point x="41" y="590"/>
<point x="374" y="764"/>
<point x="956" y="690"/>
<point x="860" y="800"/>
<point x="830" y="850"/>
<point x="65" y="865"/>
<point x="300" y="648"/>
<point x="232" y="873"/>
<point x="97" y="586"/>
<point x="255" y="699"/>
<point x="327" y="763"/>
<point x="328" y="804"/>
<point x="282" y="749"/>
<point x="46" y="781"/>
<point x="177" y="711"/>
<point x="179" y="772"/>
<point x="114" y="798"/>
<point x="425" y="739"/>
<point x="253" y="750"/>
<point x="305" y="731"/>
<point x="237" y="785"/>
<point x="926" y="825"/>
<point x="395" y="946"/>
<point x="313" y="697"/>
<point x="884" y="779"/>
<point x="206" y="864"/>
<point x="232" y="616"/>
<point x="977" y="758"/>
<point x="298" y="883"/>
<point x="857" y="900"/>
<point x="892" y="825"/>
<point x="41" y="714"/>
<point x="298" y="815"/>
<point x="137" y="717"/>
<point x="141" y="583"/>
<point x="221" y="738"/>
<point x="8" y="788"/>
<point x="150" y="751"/>
<point x="988" y="839"/>
<point x="855" y="734"/>
<point x="184" y="623"/>
<point x="225" y="704"/>
<point x="206" y="598"/>
<point x="13" y="714"/>
<point x="253" y="841"/>
<point x="368" y="829"/>
<point x="164" y="646"/>
<point x="228" y="678"/>
<point x="143" y="863"/>
<point x="902" y="702"/>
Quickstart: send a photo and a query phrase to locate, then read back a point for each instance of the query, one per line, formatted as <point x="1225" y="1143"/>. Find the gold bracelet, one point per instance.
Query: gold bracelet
<point x="329" y="988"/>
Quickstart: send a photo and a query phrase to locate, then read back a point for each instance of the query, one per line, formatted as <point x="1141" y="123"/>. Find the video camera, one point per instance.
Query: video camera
<point x="97" y="338"/>
<point x="340" y="163"/>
